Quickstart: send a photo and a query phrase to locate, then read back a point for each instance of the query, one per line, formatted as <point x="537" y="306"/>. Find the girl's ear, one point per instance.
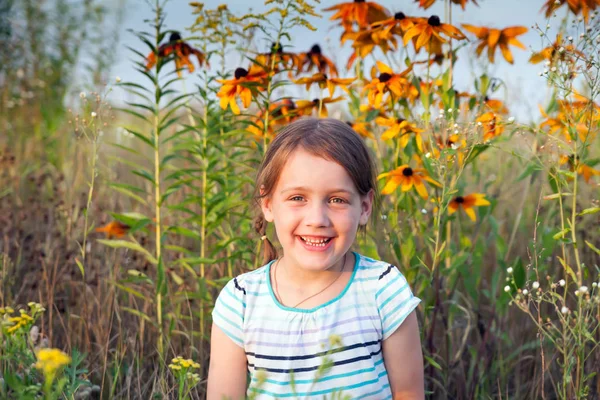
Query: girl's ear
<point x="265" y="205"/>
<point x="366" y="206"/>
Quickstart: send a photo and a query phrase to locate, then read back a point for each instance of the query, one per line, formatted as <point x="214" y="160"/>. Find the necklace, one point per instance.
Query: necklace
<point x="310" y="297"/>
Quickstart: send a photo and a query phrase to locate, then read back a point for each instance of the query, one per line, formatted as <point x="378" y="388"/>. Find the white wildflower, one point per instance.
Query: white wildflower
<point x="94" y="115"/>
<point x="525" y="291"/>
<point x="507" y="288"/>
<point x="564" y="310"/>
<point x="118" y="79"/>
<point x="562" y="282"/>
<point x="583" y="289"/>
<point x="82" y="95"/>
<point x="509" y="270"/>
<point x="535" y="285"/>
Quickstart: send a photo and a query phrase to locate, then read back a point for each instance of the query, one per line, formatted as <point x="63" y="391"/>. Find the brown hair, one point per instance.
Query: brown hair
<point x="327" y="138"/>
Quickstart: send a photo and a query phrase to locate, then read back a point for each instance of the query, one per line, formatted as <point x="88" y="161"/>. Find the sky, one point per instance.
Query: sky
<point x="525" y="88"/>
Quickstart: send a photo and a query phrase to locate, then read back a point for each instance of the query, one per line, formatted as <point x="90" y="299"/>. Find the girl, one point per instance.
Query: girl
<point x="320" y="320"/>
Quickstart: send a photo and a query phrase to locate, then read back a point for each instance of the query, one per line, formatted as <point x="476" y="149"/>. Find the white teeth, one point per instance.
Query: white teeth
<point x="313" y="242"/>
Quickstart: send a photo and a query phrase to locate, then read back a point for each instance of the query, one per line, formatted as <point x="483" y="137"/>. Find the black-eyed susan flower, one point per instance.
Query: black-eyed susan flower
<point x="495" y="105"/>
<point x="497" y="38"/>
<point x="280" y="113"/>
<point x="362" y="128"/>
<point x="468" y="204"/>
<point x="429" y="31"/>
<point x="425" y="4"/>
<point x="407" y="178"/>
<point x="181" y="51"/>
<point x="325" y="82"/>
<point x="400" y="127"/>
<point x="398" y="24"/>
<point x="455" y="142"/>
<point x="492" y="127"/>
<point x="577" y="7"/>
<point x="306" y="107"/>
<point x="114" y="229"/>
<point x="365" y="41"/>
<point x="584" y="170"/>
<point x="557" y="51"/>
<point x="244" y="85"/>
<point x="314" y="59"/>
<point x="384" y="80"/>
<point x="361" y="12"/>
<point x="278" y="57"/>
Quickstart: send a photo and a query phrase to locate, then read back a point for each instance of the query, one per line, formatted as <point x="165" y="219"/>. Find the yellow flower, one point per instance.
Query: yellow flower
<point x="407" y="177"/>
<point x="400" y="126"/>
<point x="467" y="203"/>
<point x="386" y="82"/>
<point x="492" y="127"/>
<point x="496" y="38"/>
<point x="244" y="84"/>
<point x="50" y="361"/>
<point x="325" y="82"/>
<point x="428" y="32"/>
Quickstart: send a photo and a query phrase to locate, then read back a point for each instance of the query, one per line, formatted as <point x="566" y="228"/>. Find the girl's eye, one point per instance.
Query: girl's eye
<point x="341" y="201"/>
<point x="295" y="197"/>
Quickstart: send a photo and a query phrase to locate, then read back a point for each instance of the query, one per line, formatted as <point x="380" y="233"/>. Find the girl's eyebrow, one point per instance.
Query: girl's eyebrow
<point x="306" y="189"/>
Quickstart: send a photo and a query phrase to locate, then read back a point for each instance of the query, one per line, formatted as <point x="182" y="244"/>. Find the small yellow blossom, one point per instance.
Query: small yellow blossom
<point x="50" y="361"/>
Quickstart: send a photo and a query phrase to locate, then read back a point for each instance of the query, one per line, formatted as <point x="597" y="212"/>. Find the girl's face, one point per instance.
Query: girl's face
<point x="316" y="210"/>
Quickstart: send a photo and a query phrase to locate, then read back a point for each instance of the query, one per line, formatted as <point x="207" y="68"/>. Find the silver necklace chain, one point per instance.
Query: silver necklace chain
<point x="310" y="297"/>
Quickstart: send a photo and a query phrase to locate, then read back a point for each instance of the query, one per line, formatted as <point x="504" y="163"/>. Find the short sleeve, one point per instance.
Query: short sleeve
<point x="395" y="301"/>
<point x="229" y="310"/>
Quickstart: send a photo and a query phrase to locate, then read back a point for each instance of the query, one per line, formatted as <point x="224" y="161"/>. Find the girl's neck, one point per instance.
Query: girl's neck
<point x="291" y="273"/>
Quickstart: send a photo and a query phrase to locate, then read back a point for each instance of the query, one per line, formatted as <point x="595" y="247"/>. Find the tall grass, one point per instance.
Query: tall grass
<point x="510" y="299"/>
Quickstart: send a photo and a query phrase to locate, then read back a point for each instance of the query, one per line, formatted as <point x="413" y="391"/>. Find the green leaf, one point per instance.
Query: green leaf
<point x="591" y="210"/>
<point x="124" y="244"/>
<point x="594" y="248"/>
<point x="432" y="362"/>
<point x="561" y="234"/>
<point x="81" y="269"/>
<point x="138" y="314"/>
<point x="475" y="152"/>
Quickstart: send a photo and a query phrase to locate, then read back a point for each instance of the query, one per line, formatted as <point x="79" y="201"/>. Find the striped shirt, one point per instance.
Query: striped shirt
<point x="287" y="347"/>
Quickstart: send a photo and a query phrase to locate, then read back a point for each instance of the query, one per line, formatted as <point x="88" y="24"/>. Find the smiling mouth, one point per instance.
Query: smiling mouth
<point x="321" y="242"/>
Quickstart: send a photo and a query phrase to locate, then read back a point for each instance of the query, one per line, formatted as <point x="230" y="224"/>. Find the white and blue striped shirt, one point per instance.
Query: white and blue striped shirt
<point x="290" y="344"/>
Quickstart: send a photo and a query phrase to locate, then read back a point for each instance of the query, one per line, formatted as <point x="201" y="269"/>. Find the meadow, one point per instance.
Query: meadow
<point x="121" y="221"/>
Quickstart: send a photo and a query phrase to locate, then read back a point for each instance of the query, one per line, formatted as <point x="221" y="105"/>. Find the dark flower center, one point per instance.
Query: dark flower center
<point x="486" y="99"/>
<point x="325" y="77"/>
<point x="316" y="101"/>
<point x="449" y="142"/>
<point x="276" y="48"/>
<point x="349" y="124"/>
<point x="359" y="1"/>
<point x="399" y="16"/>
<point x="240" y="73"/>
<point x="434" y="20"/>
<point x="459" y="199"/>
<point x="316" y="49"/>
<point x="407" y="171"/>
<point x="385" y="77"/>
<point x="175" y="36"/>
<point x="400" y="120"/>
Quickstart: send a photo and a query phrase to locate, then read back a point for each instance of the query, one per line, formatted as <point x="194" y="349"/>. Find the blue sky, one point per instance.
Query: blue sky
<point x="526" y="89"/>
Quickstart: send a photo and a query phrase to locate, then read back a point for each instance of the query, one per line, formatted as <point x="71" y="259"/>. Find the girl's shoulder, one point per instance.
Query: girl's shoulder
<point x="251" y="281"/>
<point x="370" y="269"/>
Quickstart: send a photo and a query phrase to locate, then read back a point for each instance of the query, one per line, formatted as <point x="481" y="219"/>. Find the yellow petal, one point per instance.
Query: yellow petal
<point x="471" y="213"/>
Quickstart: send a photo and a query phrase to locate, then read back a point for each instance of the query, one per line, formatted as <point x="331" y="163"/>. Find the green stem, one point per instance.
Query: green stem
<point x="157" y="203"/>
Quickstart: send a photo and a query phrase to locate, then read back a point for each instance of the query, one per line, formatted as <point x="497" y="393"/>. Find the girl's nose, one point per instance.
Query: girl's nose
<point x="317" y="215"/>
